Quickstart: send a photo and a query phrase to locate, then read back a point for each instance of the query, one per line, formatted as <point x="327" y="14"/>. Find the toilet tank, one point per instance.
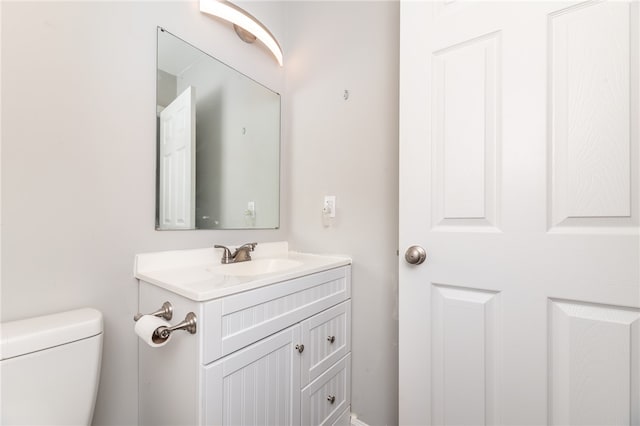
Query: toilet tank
<point x="49" y="368"/>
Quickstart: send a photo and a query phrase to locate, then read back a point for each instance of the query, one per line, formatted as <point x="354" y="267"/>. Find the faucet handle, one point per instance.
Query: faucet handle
<point x="226" y="254"/>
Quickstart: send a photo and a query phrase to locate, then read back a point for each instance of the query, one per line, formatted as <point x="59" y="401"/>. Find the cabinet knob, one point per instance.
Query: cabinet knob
<point x="331" y="339"/>
<point x="300" y="348"/>
<point x="331" y="399"/>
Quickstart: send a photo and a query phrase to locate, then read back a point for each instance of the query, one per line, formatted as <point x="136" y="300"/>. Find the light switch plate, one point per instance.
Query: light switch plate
<point x="330" y="205"/>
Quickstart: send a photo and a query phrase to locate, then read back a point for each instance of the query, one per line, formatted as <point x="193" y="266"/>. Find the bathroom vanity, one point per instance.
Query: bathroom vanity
<point x="272" y="345"/>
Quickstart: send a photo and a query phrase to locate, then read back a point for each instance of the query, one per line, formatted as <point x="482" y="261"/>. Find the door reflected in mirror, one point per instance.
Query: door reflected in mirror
<point x="218" y="136"/>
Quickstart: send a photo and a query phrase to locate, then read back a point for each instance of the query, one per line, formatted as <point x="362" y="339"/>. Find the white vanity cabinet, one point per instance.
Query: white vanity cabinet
<point x="279" y="354"/>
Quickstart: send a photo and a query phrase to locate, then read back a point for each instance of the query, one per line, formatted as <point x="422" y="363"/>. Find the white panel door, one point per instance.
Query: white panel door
<point x="177" y="162"/>
<point x="519" y="177"/>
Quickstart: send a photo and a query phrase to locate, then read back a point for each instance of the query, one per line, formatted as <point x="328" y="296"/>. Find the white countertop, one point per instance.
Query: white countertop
<point x="189" y="272"/>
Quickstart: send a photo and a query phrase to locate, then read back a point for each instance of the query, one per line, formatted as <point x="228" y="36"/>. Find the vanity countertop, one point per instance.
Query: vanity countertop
<point x="198" y="274"/>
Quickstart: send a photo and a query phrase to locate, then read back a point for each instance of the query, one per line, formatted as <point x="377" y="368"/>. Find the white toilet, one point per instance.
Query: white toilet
<point x="49" y="368"/>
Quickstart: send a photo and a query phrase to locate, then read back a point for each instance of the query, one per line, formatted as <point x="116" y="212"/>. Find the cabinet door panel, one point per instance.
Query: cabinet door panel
<point x="327" y="338"/>
<point x="258" y="385"/>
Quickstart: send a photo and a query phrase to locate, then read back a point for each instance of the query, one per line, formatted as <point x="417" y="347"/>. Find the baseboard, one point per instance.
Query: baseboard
<point x="355" y="421"/>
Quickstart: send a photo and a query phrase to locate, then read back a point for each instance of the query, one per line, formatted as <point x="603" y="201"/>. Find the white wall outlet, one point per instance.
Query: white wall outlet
<point x="329" y="208"/>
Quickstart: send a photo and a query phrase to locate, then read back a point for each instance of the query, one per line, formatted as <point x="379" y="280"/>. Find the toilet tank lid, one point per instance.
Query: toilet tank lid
<point x="35" y="334"/>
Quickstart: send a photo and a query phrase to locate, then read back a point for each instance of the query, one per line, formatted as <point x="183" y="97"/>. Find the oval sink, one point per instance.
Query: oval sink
<point x="255" y="267"/>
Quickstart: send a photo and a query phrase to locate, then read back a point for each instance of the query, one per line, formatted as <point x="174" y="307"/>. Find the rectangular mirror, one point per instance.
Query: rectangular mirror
<point x="218" y="143"/>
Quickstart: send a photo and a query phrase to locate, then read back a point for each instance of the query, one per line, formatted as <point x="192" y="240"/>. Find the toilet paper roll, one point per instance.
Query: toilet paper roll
<point x="145" y="328"/>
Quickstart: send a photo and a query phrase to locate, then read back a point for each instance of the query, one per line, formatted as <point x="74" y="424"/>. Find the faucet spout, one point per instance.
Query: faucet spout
<point x="242" y="253"/>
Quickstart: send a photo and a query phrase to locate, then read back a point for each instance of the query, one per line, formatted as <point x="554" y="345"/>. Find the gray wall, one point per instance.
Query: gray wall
<point x="166" y="88"/>
<point x="350" y="149"/>
<point x="78" y="164"/>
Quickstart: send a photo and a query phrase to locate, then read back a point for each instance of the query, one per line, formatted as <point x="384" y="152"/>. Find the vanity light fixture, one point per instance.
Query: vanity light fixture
<point x="246" y="26"/>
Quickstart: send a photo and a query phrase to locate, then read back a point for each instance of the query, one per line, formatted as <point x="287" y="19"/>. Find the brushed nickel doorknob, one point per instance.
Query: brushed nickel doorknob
<point x="415" y="255"/>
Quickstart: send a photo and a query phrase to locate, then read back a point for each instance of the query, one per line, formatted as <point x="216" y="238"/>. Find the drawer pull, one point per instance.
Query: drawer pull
<point x="331" y="339"/>
<point x="331" y="399"/>
<point x="300" y="348"/>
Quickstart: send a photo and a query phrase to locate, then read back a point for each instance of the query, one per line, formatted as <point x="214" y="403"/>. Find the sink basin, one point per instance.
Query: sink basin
<point x="255" y="267"/>
<point x="197" y="274"/>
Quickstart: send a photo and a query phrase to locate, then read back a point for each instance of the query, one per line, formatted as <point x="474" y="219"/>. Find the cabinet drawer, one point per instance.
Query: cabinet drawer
<point x="324" y="400"/>
<point x="326" y="338"/>
<point x="236" y="321"/>
<point x="344" y="419"/>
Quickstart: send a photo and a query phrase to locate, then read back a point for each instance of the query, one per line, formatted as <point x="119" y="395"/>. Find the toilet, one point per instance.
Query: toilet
<point x="50" y="368"/>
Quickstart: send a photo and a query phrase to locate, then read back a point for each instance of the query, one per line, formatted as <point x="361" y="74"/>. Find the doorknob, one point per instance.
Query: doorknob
<point x="415" y="255"/>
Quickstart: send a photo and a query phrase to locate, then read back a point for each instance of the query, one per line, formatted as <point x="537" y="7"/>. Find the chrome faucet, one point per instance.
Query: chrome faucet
<point x="241" y="254"/>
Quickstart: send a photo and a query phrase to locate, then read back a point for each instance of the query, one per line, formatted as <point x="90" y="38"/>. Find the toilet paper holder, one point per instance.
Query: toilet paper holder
<point x="188" y="325"/>
<point x="166" y="312"/>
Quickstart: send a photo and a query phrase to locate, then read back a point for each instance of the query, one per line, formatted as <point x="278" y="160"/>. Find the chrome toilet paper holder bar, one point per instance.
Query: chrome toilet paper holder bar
<point x="166" y="312"/>
<point x="188" y="325"/>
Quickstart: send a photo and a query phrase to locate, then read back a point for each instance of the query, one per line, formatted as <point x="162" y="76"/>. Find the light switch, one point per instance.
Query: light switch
<point x="329" y="208"/>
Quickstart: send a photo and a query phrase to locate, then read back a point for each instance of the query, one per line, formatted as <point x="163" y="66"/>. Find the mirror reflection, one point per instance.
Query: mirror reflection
<point x="218" y="143"/>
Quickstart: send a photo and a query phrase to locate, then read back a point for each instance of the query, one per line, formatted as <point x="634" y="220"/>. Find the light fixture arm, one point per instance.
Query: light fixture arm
<point x="239" y="17"/>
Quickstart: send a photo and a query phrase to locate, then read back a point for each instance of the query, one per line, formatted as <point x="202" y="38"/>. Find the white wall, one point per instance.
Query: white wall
<point x="78" y="163"/>
<point x="350" y="149"/>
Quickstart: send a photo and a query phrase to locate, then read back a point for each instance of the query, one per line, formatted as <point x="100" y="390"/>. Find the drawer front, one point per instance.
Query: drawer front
<point x="326" y="338"/>
<point x="344" y="419"/>
<point x="236" y="321"/>
<point x="326" y="399"/>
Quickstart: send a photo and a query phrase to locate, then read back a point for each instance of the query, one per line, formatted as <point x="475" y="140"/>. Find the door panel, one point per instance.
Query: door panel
<point x="466" y="339"/>
<point x="595" y="345"/>
<point x="465" y="137"/>
<point x="177" y="162"/>
<point x="519" y="176"/>
<point x="590" y="116"/>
